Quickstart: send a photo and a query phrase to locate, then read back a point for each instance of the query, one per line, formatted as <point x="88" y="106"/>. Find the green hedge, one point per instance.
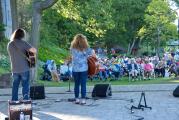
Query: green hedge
<point x="4" y="58"/>
<point x="3" y="47"/>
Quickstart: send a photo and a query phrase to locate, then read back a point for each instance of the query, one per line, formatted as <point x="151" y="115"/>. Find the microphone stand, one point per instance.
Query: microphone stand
<point x="69" y="79"/>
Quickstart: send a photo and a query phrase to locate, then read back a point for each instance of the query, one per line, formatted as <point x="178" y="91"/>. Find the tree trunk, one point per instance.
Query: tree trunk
<point x="158" y="42"/>
<point x="35" y="40"/>
<point x="1" y="21"/>
<point x="132" y="46"/>
<point x="35" y="28"/>
<point x="38" y="8"/>
<point x="14" y="14"/>
<point x="140" y="41"/>
<point x="128" y="48"/>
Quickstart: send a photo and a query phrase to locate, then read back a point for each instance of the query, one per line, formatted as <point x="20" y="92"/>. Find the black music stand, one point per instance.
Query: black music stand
<point x="140" y="106"/>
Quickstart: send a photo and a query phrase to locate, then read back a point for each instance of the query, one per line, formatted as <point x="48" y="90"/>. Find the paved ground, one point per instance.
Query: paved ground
<point x="159" y="97"/>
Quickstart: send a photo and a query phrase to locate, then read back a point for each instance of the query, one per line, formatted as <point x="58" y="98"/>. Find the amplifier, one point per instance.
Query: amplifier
<point x="102" y="90"/>
<point x="37" y="92"/>
<point x="16" y="107"/>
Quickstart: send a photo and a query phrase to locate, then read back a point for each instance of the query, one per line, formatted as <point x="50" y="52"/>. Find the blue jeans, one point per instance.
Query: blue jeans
<point x="24" y="79"/>
<point x="80" y="78"/>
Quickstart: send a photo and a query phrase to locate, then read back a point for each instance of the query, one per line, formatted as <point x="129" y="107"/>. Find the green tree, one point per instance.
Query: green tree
<point x="92" y="18"/>
<point x="176" y="1"/>
<point x="129" y="18"/>
<point x="159" y="26"/>
<point x="24" y="12"/>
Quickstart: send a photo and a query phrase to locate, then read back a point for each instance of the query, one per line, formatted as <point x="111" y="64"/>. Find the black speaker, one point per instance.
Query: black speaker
<point x="6" y="118"/>
<point x="37" y="92"/>
<point x="176" y="92"/>
<point x="102" y="90"/>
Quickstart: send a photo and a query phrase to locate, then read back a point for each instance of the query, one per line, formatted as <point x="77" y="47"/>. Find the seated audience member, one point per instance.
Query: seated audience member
<point x="65" y="71"/>
<point x="132" y="68"/>
<point x="46" y="75"/>
<point x="148" y="69"/>
<point x="160" y="68"/>
<point x="173" y="68"/>
<point x="176" y="57"/>
<point x="102" y="72"/>
<point x="53" y="70"/>
<point x="115" y="68"/>
<point x="141" y="68"/>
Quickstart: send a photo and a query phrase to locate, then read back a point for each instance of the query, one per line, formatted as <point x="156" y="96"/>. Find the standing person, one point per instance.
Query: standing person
<point x="19" y="65"/>
<point x="80" y="51"/>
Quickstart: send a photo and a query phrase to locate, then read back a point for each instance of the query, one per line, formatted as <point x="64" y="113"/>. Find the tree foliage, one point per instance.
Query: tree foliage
<point x="108" y="23"/>
<point x="24" y="9"/>
<point x="159" y="26"/>
<point x="176" y="1"/>
<point x="129" y="18"/>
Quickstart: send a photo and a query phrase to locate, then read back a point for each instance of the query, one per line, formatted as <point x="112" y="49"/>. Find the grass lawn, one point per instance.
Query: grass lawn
<point x="123" y="81"/>
<point x="2" y="71"/>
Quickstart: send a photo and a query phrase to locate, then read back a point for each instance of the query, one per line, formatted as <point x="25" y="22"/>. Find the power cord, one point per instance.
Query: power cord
<point x="132" y="113"/>
<point x="128" y="100"/>
<point x="139" y="117"/>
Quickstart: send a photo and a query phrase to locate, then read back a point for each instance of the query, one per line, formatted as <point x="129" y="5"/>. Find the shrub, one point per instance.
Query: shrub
<point x="4" y="62"/>
<point x="3" y="46"/>
<point x="52" y="53"/>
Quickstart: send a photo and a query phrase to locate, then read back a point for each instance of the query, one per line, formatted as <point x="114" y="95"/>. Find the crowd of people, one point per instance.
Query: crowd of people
<point x="135" y="68"/>
<point x="146" y="67"/>
<point x="53" y="72"/>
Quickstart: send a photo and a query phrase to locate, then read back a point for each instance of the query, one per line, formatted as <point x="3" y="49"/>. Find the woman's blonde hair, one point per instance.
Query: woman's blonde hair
<point x="79" y="42"/>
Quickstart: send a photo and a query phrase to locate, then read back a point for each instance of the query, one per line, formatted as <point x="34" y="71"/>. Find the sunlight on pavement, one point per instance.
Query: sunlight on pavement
<point x="3" y="116"/>
<point x="34" y="118"/>
<point x="175" y="81"/>
<point x="67" y="116"/>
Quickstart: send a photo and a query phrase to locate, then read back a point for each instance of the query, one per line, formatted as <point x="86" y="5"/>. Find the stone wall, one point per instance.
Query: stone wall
<point x="6" y="80"/>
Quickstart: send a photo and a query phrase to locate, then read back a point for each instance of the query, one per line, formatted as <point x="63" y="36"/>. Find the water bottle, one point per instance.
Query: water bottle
<point x="21" y="116"/>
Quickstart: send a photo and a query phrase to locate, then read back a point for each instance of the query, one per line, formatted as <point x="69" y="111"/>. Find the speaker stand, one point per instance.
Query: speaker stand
<point x="140" y="106"/>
